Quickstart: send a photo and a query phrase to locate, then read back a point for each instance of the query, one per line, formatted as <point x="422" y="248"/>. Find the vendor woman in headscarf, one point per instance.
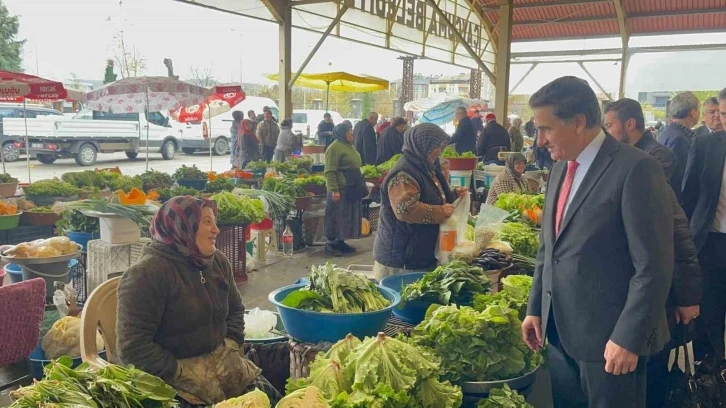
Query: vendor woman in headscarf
<point x="346" y="188"/>
<point x="415" y="199"/>
<point x="510" y="180"/>
<point x="180" y="315"/>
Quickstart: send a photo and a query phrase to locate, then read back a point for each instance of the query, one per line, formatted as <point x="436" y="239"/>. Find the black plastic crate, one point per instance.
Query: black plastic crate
<point x="26" y="233"/>
<point x="79" y="279"/>
<point x="296" y="226"/>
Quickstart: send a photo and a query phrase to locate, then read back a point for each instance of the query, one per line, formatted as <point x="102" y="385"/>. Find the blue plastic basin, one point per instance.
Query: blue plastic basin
<point x="16" y="272"/>
<point x="314" y="327"/>
<point x="195" y="184"/>
<point x="412" y="312"/>
<point x="38" y="360"/>
<point x="82" y="238"/>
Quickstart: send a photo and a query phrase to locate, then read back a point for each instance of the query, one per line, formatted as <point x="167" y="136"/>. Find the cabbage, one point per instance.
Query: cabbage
<point x="381" y="397"/>
<point x="341" y="349"/>
<point x="254" y="399"/>
<point x="431" y="393"/>
<point x="326" y="375"/>
<point x="308" y="397"/>
<point x="517" y="285"/>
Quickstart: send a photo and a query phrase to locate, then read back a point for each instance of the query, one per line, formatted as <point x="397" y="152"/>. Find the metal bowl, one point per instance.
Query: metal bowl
<point x="37" y="261"/>
<point x="483" y="387"/>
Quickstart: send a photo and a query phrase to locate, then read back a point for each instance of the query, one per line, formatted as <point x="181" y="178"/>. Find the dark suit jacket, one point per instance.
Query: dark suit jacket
<point x="494" y="135"/>
<point x="677" y="138"/>
<point x="464" y="137"/>
<point x="390" y="143"/>
<point x="365" y="141"/>
<point x="606" y="277"/>
<point x="702" y="183"/>
<point x="702" y="130"/>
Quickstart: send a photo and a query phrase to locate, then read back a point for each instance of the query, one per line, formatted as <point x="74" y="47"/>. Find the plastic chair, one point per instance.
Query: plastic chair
<point x="22" y="307"/>
<point x="99" y="312"/>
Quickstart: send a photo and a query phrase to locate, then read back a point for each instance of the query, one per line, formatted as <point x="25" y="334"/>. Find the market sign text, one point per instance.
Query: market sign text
<point x="412" y="13"/>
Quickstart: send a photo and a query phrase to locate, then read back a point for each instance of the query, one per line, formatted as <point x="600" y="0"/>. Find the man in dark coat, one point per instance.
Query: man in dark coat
<point x="390" y="142"/>
<point x="711" y="117"/>
<point x="624" y="120"/>
<point x="677" y="135"/>
<point x="325" y="130"/>
<point x="364" y="134"/>
<point x="529" y="127"/>
<point x="464" y="137"/>
<point x="493" y="139"/>
<point x="601" y="280"/>
<point x="704" y="200"/>
<point x="478" y="124"/>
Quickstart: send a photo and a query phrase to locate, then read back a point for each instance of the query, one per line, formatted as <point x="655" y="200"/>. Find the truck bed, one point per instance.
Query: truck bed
<point x="62" y="128"/>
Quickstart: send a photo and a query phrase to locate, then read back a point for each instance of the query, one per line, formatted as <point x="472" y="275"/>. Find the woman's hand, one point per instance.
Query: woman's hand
<point x="461" y="192"/>
<point x="335" y="196"/>
<point x="448" y="210"/>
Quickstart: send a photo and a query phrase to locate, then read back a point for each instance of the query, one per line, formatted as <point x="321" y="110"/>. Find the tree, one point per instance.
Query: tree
<point x="202" y="77"/>
<point x="130" y="63"/>
<point x="10" y="47"/>
<point x="75" y="83"/>
<point x="109" y="76"/>
<point x="367" y="104"/>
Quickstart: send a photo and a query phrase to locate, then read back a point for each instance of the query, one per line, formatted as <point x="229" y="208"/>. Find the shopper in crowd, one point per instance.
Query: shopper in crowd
<point x="515" y="135"/>
<point x="542" y="157"/>
<point x="287" y="142"/>
<point x="624" y="120"/>
<point x="325" y="130"/>
<point x="494" y="139"/>
<point x="529" y="127"/>
<point x="267" y="133"/>
<point x="365" y="138"/>
<point x="677" y="135"/>
<point x="346" y="189"/>
<point x="711" y="117"/>
<point x="253" y="118"/>
<point x="598" y="295"/>
<point x="511" y="180"/>
<point x="415" y="199"/>
<point x="390" y="142"/>
<point x="477" y="124"/>
<point x="704" y="200"/>
<point x="385" y="123"/>
<point x="180" y="315"/>
<point x="249" y="144"/>
<point x="235" y="136"/>
<point x="464" y="138"/>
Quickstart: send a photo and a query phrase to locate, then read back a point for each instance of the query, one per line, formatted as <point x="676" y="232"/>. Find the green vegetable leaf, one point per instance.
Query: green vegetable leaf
<point x="431" y="393"/>
<point x="504" y="398"/>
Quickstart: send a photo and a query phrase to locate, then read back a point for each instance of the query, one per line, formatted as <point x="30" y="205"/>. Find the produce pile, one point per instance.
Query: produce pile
<point x="525" y="207"/>
<point x="476" y="345"/>
<point x="51" y="188"/>
<point x="450" y="153"/>
<point x="285" y="186"/>
<point x="370" y="171"/>
<point x="92" y="180"/>
<point x="219" y="184"/>
<point x="300" y="165"/>
<point x="514" y="295"/>
<point x="75" y="221"/>
<point x="492" y="259"/>
<point x="336" y="290"/>
<point x="189" y="173"/>
<point x="167" y="193"/>
<point x="378" y="372"/>
<point x="386" y="166"/>
<point x="6" y="178"/>
<point x="504" y="398"/>
<point x="254" y="399"/>
<point x="155" y="179"/>
<point x="455" y="283"/>
<point x="110" y="386"/>
<point x="141" y="214"/>
<point x="43" y="248"/>
<point x="235" y="210"/>
<point x="309" y="180"/>
<point x="8" y="207"/>
<point x="523" y="239"/>
<point x="277" y="204"/>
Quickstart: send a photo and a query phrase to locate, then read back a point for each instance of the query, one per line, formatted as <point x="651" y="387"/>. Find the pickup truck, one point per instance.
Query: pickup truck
<point x="91" y="132"/>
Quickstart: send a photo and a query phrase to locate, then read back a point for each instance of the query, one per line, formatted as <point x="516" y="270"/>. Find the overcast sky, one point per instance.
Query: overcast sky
<point x="75" y="36"/>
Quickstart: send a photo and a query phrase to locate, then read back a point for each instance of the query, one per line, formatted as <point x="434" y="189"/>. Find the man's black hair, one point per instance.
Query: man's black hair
<point x="569" y="96"/>
<point x="626" y="109"/>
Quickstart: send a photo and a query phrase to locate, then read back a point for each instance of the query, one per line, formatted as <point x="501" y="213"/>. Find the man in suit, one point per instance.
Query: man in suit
<point x="624" y="120"/>
<point x="494" y="138"/>
<point x="364" y="134"/>
<point x="704" y="200"/>
<point x="601" y="279"/>
<point x="677" y="135"/>
<point x="711" y="117"/>
<point x="477" y="123"/>
<point x="464" y="137"/>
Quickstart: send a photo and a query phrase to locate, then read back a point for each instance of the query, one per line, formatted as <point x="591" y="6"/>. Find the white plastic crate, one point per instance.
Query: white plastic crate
<point x="106" y="261"/>
<point x="119" y="230"/>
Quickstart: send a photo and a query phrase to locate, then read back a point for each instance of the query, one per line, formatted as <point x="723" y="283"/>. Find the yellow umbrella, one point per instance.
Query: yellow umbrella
<point x="338" y="82"/>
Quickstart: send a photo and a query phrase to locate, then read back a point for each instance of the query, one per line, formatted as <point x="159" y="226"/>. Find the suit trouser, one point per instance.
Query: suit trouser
<point x="585" y="384"/>
<point x="657" y="379"/>
<point x="710" y="337"/>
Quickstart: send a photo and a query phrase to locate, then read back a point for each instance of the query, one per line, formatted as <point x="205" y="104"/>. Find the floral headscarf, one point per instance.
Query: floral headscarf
<point x="421" y="140"/>
<point x="176" y="224"/>
<point x="511" y="161"/>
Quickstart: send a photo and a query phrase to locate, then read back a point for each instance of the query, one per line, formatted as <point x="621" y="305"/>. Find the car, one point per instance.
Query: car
<point x="305" y="121"/>
<point x="13" y="147"/>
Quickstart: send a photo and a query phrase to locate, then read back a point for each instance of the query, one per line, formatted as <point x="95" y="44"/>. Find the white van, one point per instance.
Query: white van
<point x="306" y="121"/>
<point x="193" y="140"/>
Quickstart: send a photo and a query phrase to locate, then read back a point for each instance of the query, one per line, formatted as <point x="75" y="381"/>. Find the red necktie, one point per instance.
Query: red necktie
<point x="565" y="194"/>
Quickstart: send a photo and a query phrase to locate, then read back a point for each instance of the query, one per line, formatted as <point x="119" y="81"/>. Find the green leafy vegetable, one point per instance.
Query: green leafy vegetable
<point x="235" y="210"/>
<point x="476" y="346"/>
<point x="370" y="171"/>
<point x="189" y="173"/>
<point x="140" y="214"/>
<point x="388" y="164"/>
<point x="125" y="183"/>
<point x="519" y="202"/>
<point x="301" y="163"/>
<point x="430" y="393"/>
<point x="514" y="295"/>
<point x="254" y="399"/>
<point x="219" y="184"/>
<point x="308" y="300"/>
<point x="50" y="188"/>
<point x="155" y="179"/>
<point x="309" y="180"/>
<point x="75" y="221"/>
<point x="7" y="178"/>
<point x="503" y="398"/>
<point x="308" y="397"/>
<point x="285" y="186"/>
<point x="277" y="204"/>
<point x="167" y="193"/>
<point x="517" y="285"/>
<point x="456" y="282"/>
<point x="450" y="153"/>
<point x="523" y="239"/>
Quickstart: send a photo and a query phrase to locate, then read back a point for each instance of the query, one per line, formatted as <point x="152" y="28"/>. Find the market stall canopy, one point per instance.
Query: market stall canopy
<point x="339" y="82"/>
<point x="223" y="98"/>
<point x="441" y="107"/>
<point x="17" y="87"/>
<point x="155" y="94"/>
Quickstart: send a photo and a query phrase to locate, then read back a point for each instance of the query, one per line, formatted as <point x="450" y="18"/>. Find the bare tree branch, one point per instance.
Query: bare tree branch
<point x="202" y="77"/>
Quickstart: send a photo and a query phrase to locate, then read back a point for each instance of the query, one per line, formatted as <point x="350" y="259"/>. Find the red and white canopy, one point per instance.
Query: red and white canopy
<point x="16" y="87"/>
<point x="224" y="98"/>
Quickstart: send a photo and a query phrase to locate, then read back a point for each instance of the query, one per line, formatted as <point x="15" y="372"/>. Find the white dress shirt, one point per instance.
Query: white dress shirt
<point x="719" y="221"/>
<point x="584" y="160"/>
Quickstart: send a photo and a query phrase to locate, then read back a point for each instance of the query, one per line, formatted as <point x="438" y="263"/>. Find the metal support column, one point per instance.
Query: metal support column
<point x="504" y="46"/>
<point x="625" y="39"/>
<point x="285" y="43"/>
<point x="526" y="74"/>
<point x="623" y="72"/>
<point x="475" y="84"/>
<point x="406" y="82"/>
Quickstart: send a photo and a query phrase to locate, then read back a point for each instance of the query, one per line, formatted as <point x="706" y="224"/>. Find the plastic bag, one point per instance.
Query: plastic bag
<point x="64" y="298"/>
<point x="258" y="323"/>
<point x="453" y="230"/>
<point x="64" y="339"/>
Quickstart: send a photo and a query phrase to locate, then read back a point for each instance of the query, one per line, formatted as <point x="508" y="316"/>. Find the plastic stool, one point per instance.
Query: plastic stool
<point x="262" y="246"/>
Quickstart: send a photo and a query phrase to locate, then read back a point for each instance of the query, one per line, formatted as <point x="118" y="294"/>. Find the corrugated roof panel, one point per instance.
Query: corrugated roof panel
<point x="656" y="6"/>
<point x="565" y="30"/>
<point x="683" y="23"/>
<point x="563" y="12"/>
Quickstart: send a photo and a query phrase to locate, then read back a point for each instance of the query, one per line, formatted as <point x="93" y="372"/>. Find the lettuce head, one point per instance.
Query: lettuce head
<point x="308" y="397"/>
<point x="254" y="399"/>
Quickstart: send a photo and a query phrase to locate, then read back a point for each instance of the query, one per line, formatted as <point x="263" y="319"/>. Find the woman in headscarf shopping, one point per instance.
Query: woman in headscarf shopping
<point x="180" y="315"/>
<point x="415" y="199"/>
<point x="511" y="180"/>
<point x="287" y="142"/>
<point x="346" y="188"/>
<point x="249" y="145"/>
